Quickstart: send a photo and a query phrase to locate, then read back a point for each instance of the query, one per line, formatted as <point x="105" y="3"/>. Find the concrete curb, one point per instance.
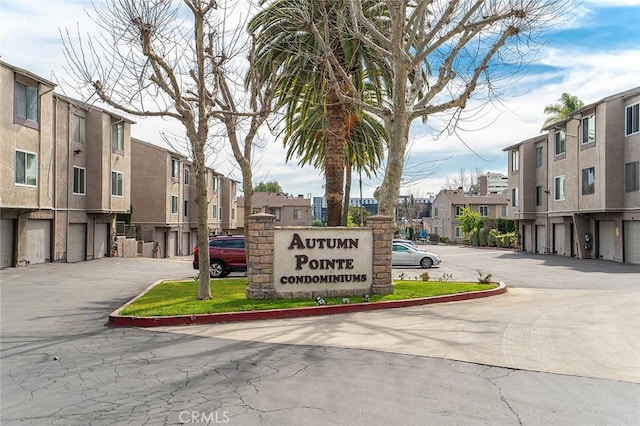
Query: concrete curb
<point x="117" y="320"/>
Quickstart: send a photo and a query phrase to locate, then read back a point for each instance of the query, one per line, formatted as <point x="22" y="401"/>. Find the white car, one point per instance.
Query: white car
<point x="403" y="254"/>
<point x="406" y="242"/>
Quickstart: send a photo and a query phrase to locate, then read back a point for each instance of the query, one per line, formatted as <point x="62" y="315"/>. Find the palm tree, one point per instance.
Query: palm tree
<point x="364" y="149"/>
<point x="317" y="123"/>
<point x="559" y="111"/>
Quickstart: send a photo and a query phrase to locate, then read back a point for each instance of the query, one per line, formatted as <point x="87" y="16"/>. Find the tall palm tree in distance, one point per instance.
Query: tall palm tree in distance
<point x="559" y="111"/>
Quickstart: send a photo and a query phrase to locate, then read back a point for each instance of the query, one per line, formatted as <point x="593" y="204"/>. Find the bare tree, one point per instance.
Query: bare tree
<point x="468" y="181"/>
<point x="440" y="53"/>
<point x="175" y="60"/>
<point x="410" y="208"/>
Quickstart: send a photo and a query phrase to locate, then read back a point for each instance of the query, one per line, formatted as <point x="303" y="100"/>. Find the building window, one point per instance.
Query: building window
<point x="186" y="208"/>
<point x="214" y="211"/>
<point x="632" y="119"/>
<point x="539" y="156"/>
<point x="187" y="177"/>
<point x="631" y="176"/>
<point x="484" y="211"/>
<point x="79" y="128"/>
<point x="514" y="197"/>
<point x="116" y="184"/>
<point x="174" y="204"/>
<point x="25" y="108"/>
<point x="515" y="160"/>
<point x="255" y="210"/>
<point x="458" y="233"/>
<point x="117" y="137"/>
<point x="276" y="212"/>
<point x="435" y="212"/>
<point x="538" y="195"/>
<point x="79" y="180"/>
<point x="589" y="129"/>
<point x="504" y="211"/>
<point x="214" y="183"/>
<point x="458" y="210"/>
<point x="26" y="168"/>
<point x="588" y="181"/>
<point x="297" y="214"/>
<point x="560" y="142"/>
<point x="233" y="214"/>
<point x="175" y="169"/>
<point x="559" y="188"/>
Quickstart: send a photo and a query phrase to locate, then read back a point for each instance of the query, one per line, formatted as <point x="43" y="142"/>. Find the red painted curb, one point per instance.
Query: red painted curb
<point x="117" y="320"/>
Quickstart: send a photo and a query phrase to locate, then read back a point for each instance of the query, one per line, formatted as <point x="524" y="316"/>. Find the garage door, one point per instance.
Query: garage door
<point x="6" y="243"/>
<point x="185" y="248"/>
<point x="77" y="242"/>
<point x="632" y="241"/>
<point x="38" y="247"/>
<point x="606" y="242"/>
<point x="541" y="239"/>
<point x="525" y="238"/>
<point x="558" y="239"/>
<point x="100" y="240"/>
<point x="172" y="250"/>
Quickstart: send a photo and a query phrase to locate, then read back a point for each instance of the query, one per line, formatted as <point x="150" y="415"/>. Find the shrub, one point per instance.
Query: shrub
<point x="510" y="240"/>
<point x="486" y="279"/>
<point x="425" y="276"/>
<point x="469" y="220"/>
<point x="506" y="226"/>
<point x="492" y="237"/>
<point x="474" y="237"/>
<point x="445" y="277"/>
<point x="482" y="236"/>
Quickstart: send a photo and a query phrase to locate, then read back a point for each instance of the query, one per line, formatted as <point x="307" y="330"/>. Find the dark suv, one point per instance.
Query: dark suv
<point x="226" y="254"/>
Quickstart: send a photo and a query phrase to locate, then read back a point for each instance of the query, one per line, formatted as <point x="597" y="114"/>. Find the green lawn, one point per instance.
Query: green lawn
<point x="179" y="297"/>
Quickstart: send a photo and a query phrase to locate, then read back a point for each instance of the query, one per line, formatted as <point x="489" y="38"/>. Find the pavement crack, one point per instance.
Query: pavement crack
<point x="503" y="398"/>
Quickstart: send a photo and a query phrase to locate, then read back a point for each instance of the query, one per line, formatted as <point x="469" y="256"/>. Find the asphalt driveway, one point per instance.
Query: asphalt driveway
<point x="561" y="347"/>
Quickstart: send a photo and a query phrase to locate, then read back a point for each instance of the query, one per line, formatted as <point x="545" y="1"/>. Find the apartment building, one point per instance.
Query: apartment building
<point x="288" y="211"/>
<point x="64" y="173"/>
<point x="448" y="207"/>
<point x="229" y="205"/>
<point x="163" y="194"/>
<point x="492" y="183"/>
<point x="576" y="189"/>
<point x="162" y="209"/>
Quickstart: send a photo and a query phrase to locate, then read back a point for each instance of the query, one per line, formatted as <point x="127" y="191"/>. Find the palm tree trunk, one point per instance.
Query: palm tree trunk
<point x="335" y="138"/>
<point x="347" y="194"/>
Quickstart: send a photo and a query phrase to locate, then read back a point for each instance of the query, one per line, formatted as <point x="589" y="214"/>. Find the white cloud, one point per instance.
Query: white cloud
<point x="611" y="3"/>
<point x="589" y="71"/>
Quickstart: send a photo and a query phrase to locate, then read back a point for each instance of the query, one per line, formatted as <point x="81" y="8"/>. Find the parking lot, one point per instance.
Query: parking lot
<point x="559" y="348"/>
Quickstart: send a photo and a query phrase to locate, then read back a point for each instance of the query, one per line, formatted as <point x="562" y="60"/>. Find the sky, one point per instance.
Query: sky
<point x="594" y="55"/>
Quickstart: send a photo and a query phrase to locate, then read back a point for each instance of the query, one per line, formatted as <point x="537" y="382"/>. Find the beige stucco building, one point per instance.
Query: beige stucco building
<point x="64" y="173"/>
<point x="288" y="211"/>
<point x="163" y="194"/>
<point x="449" y="204"/>
<point x="576" y="188"/>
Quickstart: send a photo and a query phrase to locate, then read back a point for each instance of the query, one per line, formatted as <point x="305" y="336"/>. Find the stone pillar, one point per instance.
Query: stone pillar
<point x="260" y="257"/>
<point x="382" y="226"/>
